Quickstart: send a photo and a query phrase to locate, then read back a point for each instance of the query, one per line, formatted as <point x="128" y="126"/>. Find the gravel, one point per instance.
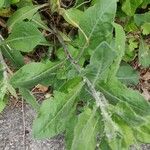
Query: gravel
<point x="12" y="132"/>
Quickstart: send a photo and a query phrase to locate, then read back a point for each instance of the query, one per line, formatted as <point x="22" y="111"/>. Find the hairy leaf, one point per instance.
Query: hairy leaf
<point x="69" y="134"/>
<point x="144" y="54"/>
<point x="117" y="92"/>
<point x="54" y="113"/>
<point x="127" y="75"/>
<point x="140" y="19"/>
<point x="33" y="73"/>
<point x="127" y="133"/>
<point x="3" y="86"/>
<point x="21" y="14"/>
<point x="142" y="136"/>
<point x="14" y="56"/>
<point x="96" y="23"/>
<point x="100" y="61"/>
<point x="85" y="131"/>
<point x="120" y="39"/>
<point x="24" y="37"/>
<point x="126" y="113"/>
<point x="72" y="16"/>
<point x="29" y="98"/>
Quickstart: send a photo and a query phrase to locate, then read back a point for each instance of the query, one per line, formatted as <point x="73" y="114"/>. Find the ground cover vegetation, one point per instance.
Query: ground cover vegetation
<point x="84" y="54"/>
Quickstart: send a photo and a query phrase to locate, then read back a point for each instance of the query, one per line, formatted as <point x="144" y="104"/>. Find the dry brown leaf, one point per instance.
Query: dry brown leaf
<point x="146" y="85"/>
<point x="42" y="88"/>
<point x="146" y="94"/>
<point x="146" y="76"/>
<point x="27" y="60"/>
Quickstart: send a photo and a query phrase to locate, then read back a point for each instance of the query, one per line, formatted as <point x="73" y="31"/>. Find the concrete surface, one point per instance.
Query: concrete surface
<point x="12" y="129"/>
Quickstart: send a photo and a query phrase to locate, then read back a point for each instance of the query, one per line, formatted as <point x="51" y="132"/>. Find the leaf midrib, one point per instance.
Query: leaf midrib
<point x="38" y="76"/>
<point x="100" y="18"/>
<point x="85" y="126"/>
<point x="28" y="12"/>
<point x="120" y="99"/>
<point x="58" y="112"/>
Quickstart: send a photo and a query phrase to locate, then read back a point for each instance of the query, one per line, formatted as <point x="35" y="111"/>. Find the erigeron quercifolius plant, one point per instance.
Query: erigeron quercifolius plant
<point x="88" y="69"/>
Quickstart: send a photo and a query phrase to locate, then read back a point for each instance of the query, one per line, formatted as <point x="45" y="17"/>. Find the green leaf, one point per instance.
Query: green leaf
<point x="69" y="84"/>
<point x="12" y="91"/>
<point x="39" y="23"/>
<point x="101" y="59"/>
<point x="14" y="56"/>
<point x="14" y="1"/>
<point x="24" y="37"/>
<point x="145" y="3"/>
<point x="104" y="144"/>
<point x="146" y="28"/>
<point x="127" y="75"/>
<point x="125" y="112"/>
<point x="96" y="23"/>
<point x="27" y="95"/>
<point x="21" y="14"/>
<point x="140" y="19"/>
<point x="3" y="86"/>
<point x="120" y="39"/>
<point x="144" y="54"/>
<point x="23" y="3"/>
<point x="54" y="5"/>
<point x="1" y="3"/>
<point x="33" y="73"/>
<point x="130" y="6"/>
<point x="142" y="133"/>
<point x="54" y="113"/>
<point x="130" y="26"/>
<point x="142" y="136"/>
<point x="127" y="133"/>
<point x="85" y="131"/>
<point x="117" y="92"/>
<point x="79" y="3"/>
<point x="130" y="52"/>
<point x="2" y="105"/>
<point x="72" y="16"/>
<point x="69" y="134"/>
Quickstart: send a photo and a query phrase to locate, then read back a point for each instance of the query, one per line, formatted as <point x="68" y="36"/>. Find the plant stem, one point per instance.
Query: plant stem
<point x="98" y="96"/>
<point x="2" y="59"/>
